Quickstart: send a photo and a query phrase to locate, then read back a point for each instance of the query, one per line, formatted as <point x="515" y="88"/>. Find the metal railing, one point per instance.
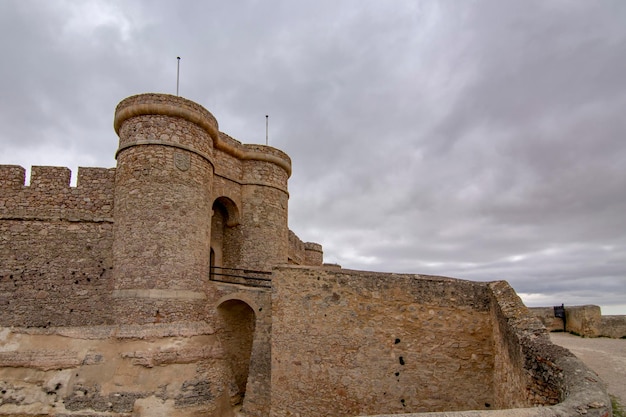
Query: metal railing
<point x="247" y="277"/>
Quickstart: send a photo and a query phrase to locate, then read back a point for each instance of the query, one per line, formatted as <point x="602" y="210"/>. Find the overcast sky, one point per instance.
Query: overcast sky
<point x="482" y="140"/>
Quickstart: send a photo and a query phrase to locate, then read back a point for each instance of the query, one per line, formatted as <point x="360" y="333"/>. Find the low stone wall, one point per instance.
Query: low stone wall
<point x="354" y="343"/>
<point x="585" y="395"/>
<point x="586" y="321"/>
<point x="548" y="370"/>
<point x="613" y="326"/>
<point x="347" y="342"/>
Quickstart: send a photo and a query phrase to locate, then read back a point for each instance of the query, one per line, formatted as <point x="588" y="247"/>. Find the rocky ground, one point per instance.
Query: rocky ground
<point x="607" y="357"/>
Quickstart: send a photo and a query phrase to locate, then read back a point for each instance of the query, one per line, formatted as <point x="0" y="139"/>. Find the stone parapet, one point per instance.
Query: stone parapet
<point x="50" y="196"/>
<point x="536" y="372"/>
<point x="304" y="253"/>
<point x="314" y="254"/>
<point x="613" y="326"/>
<point x="166" y="105"/>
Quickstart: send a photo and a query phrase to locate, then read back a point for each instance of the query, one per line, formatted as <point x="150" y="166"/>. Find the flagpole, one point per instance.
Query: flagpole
<point x="177" y="73"/>
<point x="267" y="117"/>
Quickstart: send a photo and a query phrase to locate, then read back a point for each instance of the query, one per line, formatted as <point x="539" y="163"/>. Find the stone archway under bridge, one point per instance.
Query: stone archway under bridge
<point x="245" y="335"/>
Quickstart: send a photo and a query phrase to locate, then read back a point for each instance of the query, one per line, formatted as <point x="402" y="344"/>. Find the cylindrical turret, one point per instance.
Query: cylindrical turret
<point x="162" y="208"/>
<point x="265" y="201"/>
<point x="314" y="254"/>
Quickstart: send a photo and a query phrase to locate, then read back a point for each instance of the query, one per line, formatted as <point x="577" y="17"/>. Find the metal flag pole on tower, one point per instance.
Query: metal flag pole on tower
<point x="267" y="118"/>
<point x="177" y="73"/>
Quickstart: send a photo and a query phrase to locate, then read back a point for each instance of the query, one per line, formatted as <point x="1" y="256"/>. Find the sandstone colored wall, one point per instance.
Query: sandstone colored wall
<point x="157" y="371"/>
<point x="524" y="375"/>
<point x="348" y="342"/>
<point x="546" y="316"/>
<point x="162" y="209"/>
<point x="55" y="247"/>
<point x="256" y="401"/>
<point x="583" y="320"/>
<point x="321" y="341"/>
<point x="613" y="326"/>
<point x="530" y="372"/>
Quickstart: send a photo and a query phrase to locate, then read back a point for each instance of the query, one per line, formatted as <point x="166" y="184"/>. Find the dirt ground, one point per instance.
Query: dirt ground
<point x="607" y="357"/>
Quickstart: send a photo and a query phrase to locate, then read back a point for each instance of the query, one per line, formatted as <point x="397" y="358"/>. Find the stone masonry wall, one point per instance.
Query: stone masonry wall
<point x="50" y="197"/>
<point x="55" y="247"/>
<point x="613" y="326"/>
<point x="347" y="342"/>
<point x="533" y="377"/>
<point x="525" y="374"/>
<point x="162" y="218"/>
<point x="256" y="402"/>
<point x="301" y="253"/>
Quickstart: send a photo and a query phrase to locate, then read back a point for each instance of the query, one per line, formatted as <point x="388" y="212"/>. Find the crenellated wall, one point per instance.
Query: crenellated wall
<point x="55" y="246"/>
<point x="49" y="195"/>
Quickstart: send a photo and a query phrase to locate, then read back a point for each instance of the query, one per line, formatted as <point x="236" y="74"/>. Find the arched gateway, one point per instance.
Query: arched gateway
<point x="237" y="336"/>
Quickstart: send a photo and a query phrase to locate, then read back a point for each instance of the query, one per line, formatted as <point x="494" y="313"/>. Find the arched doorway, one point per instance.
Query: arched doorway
<point x="224" y="240"/>
<point x="237" y="335"/>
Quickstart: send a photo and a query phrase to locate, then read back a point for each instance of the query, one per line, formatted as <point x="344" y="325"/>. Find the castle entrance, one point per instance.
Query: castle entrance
<point x="237" y="335"/>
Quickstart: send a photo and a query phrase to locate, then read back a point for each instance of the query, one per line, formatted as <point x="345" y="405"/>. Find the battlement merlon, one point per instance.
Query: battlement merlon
<point x="12" y="177"/>
<point x="174" y="106"/>
<point x="52" y="177"/>
<point x="49" y="177"/>
<point x="50" y="195"/>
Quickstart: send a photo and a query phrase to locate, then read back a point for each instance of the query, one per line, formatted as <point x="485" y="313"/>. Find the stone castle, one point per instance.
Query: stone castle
<point x="172" y="286"/>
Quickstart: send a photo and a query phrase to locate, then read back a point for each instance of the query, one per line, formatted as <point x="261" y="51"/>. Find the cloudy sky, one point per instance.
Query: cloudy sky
<point x="479" y="139"/>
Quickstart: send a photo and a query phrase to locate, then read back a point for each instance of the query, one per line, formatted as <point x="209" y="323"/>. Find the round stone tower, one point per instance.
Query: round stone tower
<point x="162" y="208"/>
<point x="265" y="206"/>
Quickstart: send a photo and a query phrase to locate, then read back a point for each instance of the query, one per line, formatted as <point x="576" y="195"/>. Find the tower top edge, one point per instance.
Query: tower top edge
<point x="176" y="106"/>
<point x="167" y="105"/>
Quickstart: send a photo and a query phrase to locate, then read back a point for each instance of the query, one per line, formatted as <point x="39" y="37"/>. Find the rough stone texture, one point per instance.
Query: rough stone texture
<point x="72" y="375"/>
<point x="50" y="197"/>
<point x="55" y="246"/>
<point x="371" y="342"/>
<point x="55" y="273"/>
<point x="339" y="338"/>
<point x="228" y="299"/>
<point x="162" y="215"/>
<point x="525" y="371"/>
<point x="301" y="253"/>
<point x="546" y="316"/>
